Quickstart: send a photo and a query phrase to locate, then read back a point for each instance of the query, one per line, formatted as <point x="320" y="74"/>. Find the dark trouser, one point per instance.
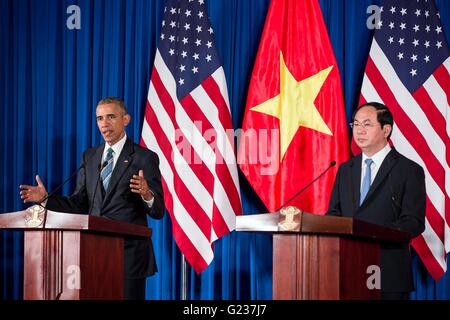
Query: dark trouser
<point x="134" y="289"/>
<point x="394" y="296"/>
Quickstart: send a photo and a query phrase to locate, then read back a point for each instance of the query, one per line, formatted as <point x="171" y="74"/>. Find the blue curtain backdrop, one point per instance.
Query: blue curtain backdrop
<point x="51" y="79"/>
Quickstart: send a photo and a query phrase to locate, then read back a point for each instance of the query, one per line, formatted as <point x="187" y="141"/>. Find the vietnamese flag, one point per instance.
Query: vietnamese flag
<point x="294" y="124"/>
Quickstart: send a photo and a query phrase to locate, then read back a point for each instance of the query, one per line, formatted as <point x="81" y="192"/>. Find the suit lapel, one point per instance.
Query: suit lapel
<point x="386" y="166"/>
<point x="124" y="161"/>
<point x="355" y="180"/>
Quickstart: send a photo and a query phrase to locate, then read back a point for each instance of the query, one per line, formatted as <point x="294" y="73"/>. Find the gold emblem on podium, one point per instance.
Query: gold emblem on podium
<point x="288" y="224"/>
<point x="35" y="216"/>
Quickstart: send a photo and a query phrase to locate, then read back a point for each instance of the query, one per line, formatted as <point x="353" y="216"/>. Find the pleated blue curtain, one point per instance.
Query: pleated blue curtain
<point x="51" y="79"/>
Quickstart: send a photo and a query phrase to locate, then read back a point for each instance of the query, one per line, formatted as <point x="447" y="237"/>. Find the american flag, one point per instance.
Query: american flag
<point x="408" y="70"/>
<point x="188" y="124"/>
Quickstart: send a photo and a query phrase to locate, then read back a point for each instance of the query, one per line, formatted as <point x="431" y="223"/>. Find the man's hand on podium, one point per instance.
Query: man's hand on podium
<point x="33" y="193"/>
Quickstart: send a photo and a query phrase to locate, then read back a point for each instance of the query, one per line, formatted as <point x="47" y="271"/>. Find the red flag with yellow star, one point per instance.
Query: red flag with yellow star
<point x="294" y="123"/>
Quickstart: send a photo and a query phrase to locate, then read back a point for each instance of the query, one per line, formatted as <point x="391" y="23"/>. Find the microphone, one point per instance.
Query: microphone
<point x="332" y="164"/>
<point x="96" y="185"/>
<point x="60" y="186"/>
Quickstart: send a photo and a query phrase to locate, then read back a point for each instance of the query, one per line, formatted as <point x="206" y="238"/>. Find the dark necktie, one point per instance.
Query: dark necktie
<point x="107" y="170"/>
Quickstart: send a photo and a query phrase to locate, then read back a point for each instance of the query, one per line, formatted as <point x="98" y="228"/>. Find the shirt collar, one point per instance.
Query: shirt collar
<point x="117" y="147"/>
<point x="378" y="157"/>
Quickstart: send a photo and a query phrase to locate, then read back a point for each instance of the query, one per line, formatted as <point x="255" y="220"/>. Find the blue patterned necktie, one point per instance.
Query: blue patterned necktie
<point x="366" y="181"/>
<point x="107" y="169"/>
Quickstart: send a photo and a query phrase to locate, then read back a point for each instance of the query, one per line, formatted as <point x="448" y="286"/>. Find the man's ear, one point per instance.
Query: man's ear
<point x="127" y="119"/>
<point x="387" y="130"/>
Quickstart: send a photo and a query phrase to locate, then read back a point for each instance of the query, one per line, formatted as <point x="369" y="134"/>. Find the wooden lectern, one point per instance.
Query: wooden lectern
<point x="322" y="257"/>
<point x="71" y="256"/>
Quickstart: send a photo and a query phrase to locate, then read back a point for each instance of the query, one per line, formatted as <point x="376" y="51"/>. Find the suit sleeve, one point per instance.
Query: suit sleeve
<point x="334" y="207"/>
<point x="78" y="201"/>
<point x="412" y="215"/>
<point x="153" y="177"/>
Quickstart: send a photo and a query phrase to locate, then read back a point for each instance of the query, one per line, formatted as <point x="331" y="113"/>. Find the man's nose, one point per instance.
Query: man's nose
<point x="361" y="130"/>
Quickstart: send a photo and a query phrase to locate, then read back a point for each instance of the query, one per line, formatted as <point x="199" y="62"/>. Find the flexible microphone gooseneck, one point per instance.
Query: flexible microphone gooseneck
<point x="60" y="186"/>
<point x="332" y="164"/>
<point x="54" y="191"/>
<point x="96" y="185"/>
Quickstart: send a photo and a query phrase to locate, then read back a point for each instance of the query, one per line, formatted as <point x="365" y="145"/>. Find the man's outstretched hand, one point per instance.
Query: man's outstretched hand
<point x="33" y="193"/>
<point x="139" y="185"/>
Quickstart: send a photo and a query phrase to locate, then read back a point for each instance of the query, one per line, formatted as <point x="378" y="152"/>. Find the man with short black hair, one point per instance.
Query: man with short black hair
<point x="129" y="189"/>
<point x="382" y="186"/>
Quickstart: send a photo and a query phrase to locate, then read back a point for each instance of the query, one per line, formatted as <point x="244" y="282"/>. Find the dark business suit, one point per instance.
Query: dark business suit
<point x="119" y="203"/>
<point x="395" y="199"/>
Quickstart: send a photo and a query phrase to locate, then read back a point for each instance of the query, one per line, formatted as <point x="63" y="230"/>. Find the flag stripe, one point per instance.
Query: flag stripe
<point x="441" y="76"/>
<point x="435" y="245"/>
<point x="431" y="110"/>
<point x="212" y="96"/>
<point x="434" y="268"/>
<point x="211" y="87"/>
<point x="435" y="220"/>
<point x="437" y="95"/>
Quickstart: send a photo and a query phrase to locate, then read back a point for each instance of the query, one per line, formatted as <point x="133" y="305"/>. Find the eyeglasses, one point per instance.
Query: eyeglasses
<point x="365" y="125"/>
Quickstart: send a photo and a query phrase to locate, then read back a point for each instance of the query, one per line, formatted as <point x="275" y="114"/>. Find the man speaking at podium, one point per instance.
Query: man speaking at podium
<point x="382" y="186"/>
<point x="119" y="180"/>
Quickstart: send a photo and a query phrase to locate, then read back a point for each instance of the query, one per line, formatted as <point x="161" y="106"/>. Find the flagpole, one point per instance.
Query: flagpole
<point x="183" y="278"/>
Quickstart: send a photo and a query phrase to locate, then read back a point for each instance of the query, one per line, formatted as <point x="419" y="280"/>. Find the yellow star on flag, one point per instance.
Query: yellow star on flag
<point x="294" y="106"/>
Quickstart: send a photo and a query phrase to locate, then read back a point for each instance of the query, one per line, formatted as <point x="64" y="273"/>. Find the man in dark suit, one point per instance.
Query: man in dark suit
<point x="383" y="187"/>
<point x="119" y="180"/>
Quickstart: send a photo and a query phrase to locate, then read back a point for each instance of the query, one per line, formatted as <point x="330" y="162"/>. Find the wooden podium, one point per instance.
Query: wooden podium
<point x="322" y="257"/>
<point x="71" y="256"/>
